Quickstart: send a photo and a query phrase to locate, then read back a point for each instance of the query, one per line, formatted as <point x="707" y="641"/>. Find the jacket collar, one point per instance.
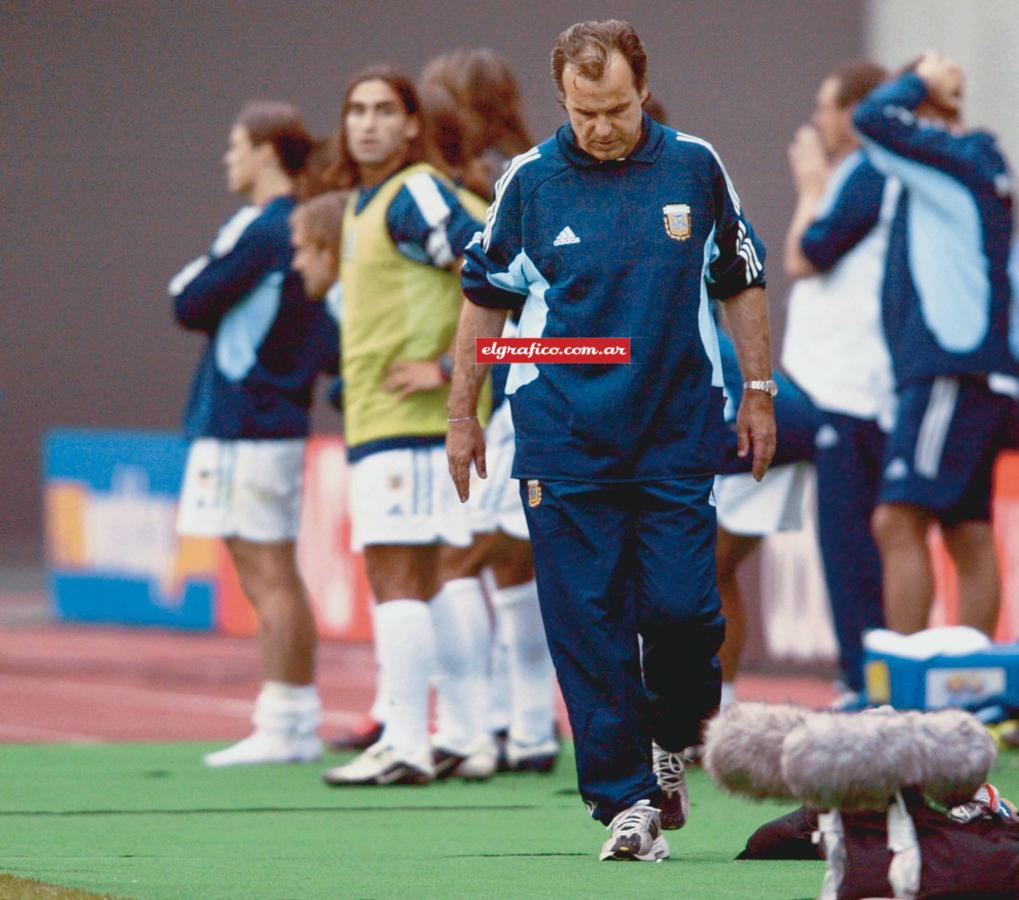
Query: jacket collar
<point x="645" y="153"/>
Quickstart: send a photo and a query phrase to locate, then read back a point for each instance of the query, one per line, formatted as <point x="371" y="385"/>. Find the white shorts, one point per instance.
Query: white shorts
<point x="245" y="489"/>
<point x="495" y="501"/>
<point x="750" y="507"/>
<point x="406" y="497"/>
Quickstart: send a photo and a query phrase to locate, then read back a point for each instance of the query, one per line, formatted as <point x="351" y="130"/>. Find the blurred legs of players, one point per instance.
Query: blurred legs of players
<point x="402" y="576"/>
<point x="908" y="577"/>
<point x="939" y="463"/>
<point x="463" y="633"/>
<point x="748" y="510"/>
<point x="466" y="701"/>
<point x="462" y="743"/>
<point x="248" y="492"/>
<point x="531" y="743"/>
<point x="527" y="682"/>
<point x="901" y="532"/>
<point x="971" y="546"/>
<point x="849" y="465"/>
<point x="404" y="508"/>
<point x="730" y="552"/>
<point x="369" y="728"/>
<point x="500" y="707"/>
<point x="287" y="710"/>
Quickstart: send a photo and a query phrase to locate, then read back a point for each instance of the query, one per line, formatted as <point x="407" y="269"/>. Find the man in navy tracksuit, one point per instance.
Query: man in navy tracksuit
<point x="620" y="227"/>
<point x="945" y="305"/>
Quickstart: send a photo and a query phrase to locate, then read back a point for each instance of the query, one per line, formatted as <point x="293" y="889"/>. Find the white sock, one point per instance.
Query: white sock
<point x="728" y="694"/>
<point x="292" y="709"/>
<point x="406" y="650"/>
<point x="378" y="710"/>
<point x="532" y="677"/>
<point x="500" y="688"/>
<point x="463" y="637"/>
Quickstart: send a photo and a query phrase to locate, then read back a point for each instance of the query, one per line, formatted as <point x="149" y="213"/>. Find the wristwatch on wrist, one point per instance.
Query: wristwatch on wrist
<point x="769" y="387"/>
<point x="446" y="367"/>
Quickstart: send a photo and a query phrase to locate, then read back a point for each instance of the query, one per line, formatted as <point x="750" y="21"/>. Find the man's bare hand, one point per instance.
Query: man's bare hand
<point x="943" y="77"/>
<point x="411" y="377"/>
<point x="755" y="429"/>
<point x="465" y="443"/>
<point x="808" y="161"/>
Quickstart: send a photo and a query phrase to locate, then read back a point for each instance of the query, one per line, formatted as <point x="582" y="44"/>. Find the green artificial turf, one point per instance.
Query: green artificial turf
<point x="148" y="821"/>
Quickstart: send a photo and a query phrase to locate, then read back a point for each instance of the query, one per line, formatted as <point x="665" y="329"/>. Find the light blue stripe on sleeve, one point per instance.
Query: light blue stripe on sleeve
<point x="245" y="326"/>
<point x="523" y="276"/>
<point x="706" y="322"/>
<point x="435" y="211"/>
<point x="946" y="252"/>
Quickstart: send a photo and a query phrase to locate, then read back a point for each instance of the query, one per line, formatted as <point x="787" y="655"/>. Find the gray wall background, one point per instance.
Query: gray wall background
<point x="114" y="117"/>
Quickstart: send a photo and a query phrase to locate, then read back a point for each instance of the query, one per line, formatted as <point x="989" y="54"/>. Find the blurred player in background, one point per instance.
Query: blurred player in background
<point x="945" y="304"/>
<point x="484" y="89"/>
<point x="835" y="348"/>
<point x="316" y="226"/>
<point x="247" y="418"/>
<point x="403" y="233"/>
<point x="616" y="224"/>
<point x="472" y="102"/>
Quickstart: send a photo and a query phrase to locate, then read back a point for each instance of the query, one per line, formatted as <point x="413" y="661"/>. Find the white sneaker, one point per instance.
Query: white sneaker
<point x="263" y="747"/>
<point x="539" y="757"/>
<point x="671" y="774"/>
<point x="636" y="835"/>
<point x="379" y="764"/>
<point x="478" y="763"/>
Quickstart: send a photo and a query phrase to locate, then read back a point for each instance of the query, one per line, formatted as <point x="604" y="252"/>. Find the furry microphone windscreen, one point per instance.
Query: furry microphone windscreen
<point x="954" y="753"/>
<point x="843" y="761"/>
<point x="743" y="747"/>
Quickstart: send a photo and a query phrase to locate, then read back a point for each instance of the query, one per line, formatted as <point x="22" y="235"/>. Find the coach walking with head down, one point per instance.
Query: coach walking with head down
<point x="619" y="227"/>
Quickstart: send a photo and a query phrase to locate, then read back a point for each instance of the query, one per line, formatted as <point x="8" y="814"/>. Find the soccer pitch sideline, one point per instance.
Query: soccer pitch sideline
<point x="149" y="821"/>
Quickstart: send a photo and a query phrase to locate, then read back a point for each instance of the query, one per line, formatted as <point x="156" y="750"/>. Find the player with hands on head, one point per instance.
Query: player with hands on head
<point x="945" y="303"/>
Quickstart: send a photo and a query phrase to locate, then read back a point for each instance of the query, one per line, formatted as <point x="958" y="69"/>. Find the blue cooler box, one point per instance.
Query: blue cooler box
<point x="971" y="681"/>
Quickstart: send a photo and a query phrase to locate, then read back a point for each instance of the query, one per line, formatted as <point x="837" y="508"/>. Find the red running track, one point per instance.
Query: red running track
<point x="63" y="683"/>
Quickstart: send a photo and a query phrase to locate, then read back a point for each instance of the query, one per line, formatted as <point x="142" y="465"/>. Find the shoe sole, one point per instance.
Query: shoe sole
<point x="473" y="775"/>
<point x="375" y="782"/>
<point x="446" y="767"/>
<point x="659" y="851"/>
<point x="288" y="761"/>
<point x="261" y="762"/>
<point x="452" y="765"/>
<point x="673" y="822"/>
<point x="540" y="765"/>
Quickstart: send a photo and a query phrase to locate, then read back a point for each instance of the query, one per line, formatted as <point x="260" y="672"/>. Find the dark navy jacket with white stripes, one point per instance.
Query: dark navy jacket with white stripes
<point x="946" y="296"/>
<point x="627" y="248"/>
<point x="267" y="341"/>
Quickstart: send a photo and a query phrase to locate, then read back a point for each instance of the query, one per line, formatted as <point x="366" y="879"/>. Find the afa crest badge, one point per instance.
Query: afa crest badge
<point x="678" y="224"/>
<point x="533" y="493"/>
